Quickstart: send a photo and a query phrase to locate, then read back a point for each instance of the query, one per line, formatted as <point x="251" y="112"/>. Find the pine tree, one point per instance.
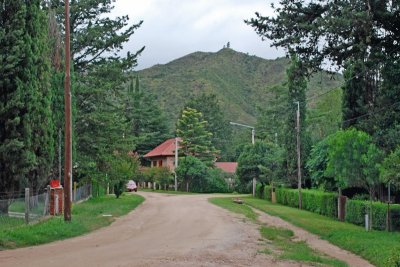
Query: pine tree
<point x="95" y="37"/>
<point x="196" y="140"/>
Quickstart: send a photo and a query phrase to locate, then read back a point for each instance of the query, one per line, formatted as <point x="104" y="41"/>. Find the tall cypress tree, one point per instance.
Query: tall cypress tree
<point x="15" y="157"/>
<point x="297" y="86"/>
<point x="25" y="117"/>
<point x="146" y="121"/>
<point x="39" y="103"/>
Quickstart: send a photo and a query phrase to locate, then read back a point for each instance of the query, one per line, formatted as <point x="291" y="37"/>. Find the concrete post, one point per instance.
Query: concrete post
<point x="26" y="205"/>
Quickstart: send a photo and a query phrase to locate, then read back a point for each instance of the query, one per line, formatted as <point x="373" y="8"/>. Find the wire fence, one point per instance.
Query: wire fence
<point x="19" y="208"/>
<point x="82" y="193"/>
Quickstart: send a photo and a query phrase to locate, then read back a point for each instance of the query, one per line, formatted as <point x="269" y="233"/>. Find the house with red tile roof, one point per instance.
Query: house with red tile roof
<point x="228" y="167"/>
<point x="164" y="156"/>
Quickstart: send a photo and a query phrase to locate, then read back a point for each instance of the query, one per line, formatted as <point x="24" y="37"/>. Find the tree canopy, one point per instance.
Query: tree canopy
<point x="196" y="140"/>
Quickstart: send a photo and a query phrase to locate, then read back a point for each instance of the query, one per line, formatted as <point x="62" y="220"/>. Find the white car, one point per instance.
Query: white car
<point x="131" y="186"/>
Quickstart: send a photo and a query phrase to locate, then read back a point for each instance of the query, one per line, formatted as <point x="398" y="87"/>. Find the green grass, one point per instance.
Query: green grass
<point x="297" y="251"/>
<point x="280" y="239"/>
<point x="86" y="217"/>
<point x="10" y="222"/>
<point x="228" y="204"/>
<point x="380" y="248"/>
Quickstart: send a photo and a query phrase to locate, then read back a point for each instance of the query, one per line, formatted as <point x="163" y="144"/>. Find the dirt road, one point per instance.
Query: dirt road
<point x="166" y="230"/>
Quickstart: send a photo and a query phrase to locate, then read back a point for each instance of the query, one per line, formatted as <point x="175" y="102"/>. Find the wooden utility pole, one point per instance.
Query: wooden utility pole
<point x="298" y="154"/>
<point x="176" y="162"/>
<point x="68" y="128"/>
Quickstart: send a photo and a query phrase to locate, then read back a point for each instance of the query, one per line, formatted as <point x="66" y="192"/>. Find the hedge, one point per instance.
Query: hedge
<point x="326" y="204"/>
<point x="315" y="201"/>
<point x="356" y="210"/>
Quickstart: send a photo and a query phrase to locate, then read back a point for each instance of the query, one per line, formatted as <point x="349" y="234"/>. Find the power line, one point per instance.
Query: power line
<point x="371" y="113"/>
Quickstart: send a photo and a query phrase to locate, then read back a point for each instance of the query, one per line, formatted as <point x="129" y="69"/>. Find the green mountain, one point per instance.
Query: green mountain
<point x="240" y="81"/>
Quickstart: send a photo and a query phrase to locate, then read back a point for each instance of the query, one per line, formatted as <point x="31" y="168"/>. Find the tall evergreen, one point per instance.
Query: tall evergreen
<point x="297" y="86"/>
<point x="26" y="148"/>
<point x="358" y="36"/>
<point x="217" y="124"/>
<point x="146" y="121"/>
<point x="196" y="140"/>
<point x="95" y="37"/>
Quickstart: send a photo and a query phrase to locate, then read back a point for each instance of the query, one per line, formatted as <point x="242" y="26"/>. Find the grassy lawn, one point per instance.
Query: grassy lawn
<point x="86" y="217"/>
<point x="379" y="247"/>
<point x="279" y="241"/>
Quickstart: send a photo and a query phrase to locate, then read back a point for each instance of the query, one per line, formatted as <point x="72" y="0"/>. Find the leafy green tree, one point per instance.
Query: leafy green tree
<point x="217" y="124"/>
<point x="297" y="86"/>
<point x="390" y="168"/>
<point x="147" y="124"/>
<point x="26" y="148"/>
<point x="122" y="169"/>
<point x="191" y="173"/>
<point x="262" y="161"/>
<point x="196" y="140"/>
<point x="354" y="160"/>
<point x="317" y="164"/>
<point x="216" y="181"/>
<point x="163" y="176"/>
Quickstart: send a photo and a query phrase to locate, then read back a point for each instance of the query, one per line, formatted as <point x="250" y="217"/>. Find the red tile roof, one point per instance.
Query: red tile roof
<point x="165" y="149"/>
<point x="229" y="167"/>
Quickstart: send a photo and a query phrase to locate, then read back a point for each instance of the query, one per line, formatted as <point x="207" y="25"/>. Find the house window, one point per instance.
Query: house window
<point x="160" y="163"/>
<point x="154" y="163"/>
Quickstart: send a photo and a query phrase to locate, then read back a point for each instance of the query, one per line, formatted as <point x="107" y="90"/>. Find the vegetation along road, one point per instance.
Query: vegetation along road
<point x="167" y="230"/>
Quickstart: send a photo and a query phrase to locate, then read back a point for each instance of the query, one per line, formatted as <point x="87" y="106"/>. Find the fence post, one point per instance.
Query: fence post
<point x="74" y="191"/>
<point x="26" y="205"/>
<point x="46" y="201"/>
<point x="56" y="206"/>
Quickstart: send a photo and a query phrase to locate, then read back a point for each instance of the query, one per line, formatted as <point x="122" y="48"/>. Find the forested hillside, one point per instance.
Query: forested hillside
<point x="241" y="82"/>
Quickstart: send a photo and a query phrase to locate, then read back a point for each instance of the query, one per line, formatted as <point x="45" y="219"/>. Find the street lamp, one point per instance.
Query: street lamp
<point x="253" y="133"/>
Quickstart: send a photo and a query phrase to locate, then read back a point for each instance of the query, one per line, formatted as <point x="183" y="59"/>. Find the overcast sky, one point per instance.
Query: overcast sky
<point x="175" y="28"/>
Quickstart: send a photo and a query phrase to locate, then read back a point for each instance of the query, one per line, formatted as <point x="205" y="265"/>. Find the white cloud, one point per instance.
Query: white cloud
<point x="173" y="28"/>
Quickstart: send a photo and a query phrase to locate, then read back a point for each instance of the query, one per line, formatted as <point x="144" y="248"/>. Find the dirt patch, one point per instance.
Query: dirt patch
<point x="166" y="230"/>
<point x="314" y="241"/>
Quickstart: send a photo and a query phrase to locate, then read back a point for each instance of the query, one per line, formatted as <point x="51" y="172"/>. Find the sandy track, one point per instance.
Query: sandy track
<point x="166" y="230"/>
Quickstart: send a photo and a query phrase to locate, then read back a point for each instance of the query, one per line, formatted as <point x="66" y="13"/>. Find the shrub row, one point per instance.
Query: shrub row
<point x="356" y="210"/>
<point x="315" y="201"/>
<point x="326" y="204"/>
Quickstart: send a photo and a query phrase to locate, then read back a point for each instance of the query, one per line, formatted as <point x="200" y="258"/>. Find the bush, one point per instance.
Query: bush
<point x="263" y="192"/>
<point x="215" y="182"/>
<point x="320" y="202"/>
<point x="356" y="210"/>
